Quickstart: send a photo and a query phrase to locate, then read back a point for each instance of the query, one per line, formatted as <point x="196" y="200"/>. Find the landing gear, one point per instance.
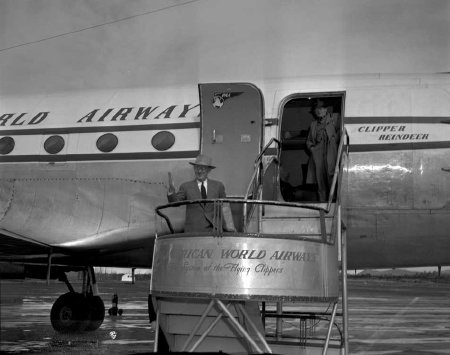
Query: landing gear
<point x="75" y="311"/>
<point x="70" y="313"/>
<point x="96" y="311"/>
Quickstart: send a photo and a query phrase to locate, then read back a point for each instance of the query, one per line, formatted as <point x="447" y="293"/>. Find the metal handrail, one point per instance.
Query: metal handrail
<point x="219" y="202"/>
<point x="317" y="207"/>
<point x="273" y="139"/>
<point x="257" y="173"/>
<point x="337" y="166"/>
<point x="257" y="164"/>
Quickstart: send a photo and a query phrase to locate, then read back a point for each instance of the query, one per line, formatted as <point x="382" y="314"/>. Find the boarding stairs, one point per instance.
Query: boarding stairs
<point x="276" y="285"/>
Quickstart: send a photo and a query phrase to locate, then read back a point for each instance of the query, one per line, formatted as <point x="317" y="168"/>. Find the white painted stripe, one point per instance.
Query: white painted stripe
<point x="85" y="143"/>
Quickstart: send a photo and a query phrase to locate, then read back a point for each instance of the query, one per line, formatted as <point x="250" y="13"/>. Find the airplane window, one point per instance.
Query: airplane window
<point x="6" y="145"/>
<point x="163" y="140"/>
<point x="54" y="144"/>
<point x="107" y="142"/>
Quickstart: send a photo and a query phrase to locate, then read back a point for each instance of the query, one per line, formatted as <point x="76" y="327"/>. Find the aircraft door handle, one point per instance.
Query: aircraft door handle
<point x="214" y="136"/>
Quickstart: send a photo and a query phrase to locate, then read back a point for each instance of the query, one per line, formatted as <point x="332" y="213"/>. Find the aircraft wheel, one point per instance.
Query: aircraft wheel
<point x="70" y="313"/>
<point x="97" y="312"/>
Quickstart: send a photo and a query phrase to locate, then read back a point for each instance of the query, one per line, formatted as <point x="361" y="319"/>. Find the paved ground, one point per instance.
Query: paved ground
<point x="399" y="317"/>
<point x="386" y="317"/>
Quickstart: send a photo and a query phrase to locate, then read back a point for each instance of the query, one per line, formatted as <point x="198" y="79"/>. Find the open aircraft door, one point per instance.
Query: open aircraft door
<point x="232" y="128"/>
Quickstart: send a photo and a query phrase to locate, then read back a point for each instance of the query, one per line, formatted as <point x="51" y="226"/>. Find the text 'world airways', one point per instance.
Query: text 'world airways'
<point x="102" y="115"/>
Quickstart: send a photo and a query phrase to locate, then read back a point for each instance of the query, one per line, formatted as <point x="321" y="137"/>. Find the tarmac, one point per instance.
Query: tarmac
<point x="402" y="316"/>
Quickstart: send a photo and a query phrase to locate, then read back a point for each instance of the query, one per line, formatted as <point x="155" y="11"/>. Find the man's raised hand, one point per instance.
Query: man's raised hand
<point x="171" y="189"/>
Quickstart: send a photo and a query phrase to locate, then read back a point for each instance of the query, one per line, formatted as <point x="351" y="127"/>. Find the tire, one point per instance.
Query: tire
<point x="70" y="313"/>
<point x="96" y="311"/>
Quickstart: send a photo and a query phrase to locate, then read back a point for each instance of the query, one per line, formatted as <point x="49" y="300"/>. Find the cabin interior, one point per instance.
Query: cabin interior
<point x="294" y="157"/>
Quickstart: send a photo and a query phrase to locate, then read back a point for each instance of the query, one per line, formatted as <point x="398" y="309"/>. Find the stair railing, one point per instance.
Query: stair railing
<point x="338" y="167"/>
<point x="255" y="182"/>
<point x="323" y="235"/>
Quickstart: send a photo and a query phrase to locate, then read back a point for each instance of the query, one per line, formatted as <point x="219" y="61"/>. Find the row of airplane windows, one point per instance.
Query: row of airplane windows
<point x="106" y="143"/>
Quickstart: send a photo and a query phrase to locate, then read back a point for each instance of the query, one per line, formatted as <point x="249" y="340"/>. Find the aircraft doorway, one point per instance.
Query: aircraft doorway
<point x="300" y="179"/>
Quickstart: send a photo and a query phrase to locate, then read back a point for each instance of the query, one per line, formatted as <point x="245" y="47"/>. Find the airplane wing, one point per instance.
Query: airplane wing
<point x="17" y="253"/>
<point x="13" y="247"/>
<point x="22" y="250"/>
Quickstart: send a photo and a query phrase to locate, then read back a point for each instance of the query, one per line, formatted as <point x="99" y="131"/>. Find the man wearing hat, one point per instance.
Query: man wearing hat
<point x="199" y="216"/>
<point x="322" y="142"/>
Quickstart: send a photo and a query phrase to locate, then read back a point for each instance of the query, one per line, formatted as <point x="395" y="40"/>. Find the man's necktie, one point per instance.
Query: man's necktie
<point x="203" y="191"/>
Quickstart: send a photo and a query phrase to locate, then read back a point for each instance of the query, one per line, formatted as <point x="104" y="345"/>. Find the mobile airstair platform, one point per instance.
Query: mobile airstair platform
<point x="275" y="285"/>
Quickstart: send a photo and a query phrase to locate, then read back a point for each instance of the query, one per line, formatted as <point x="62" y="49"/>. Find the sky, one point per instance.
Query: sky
<point x="49" y="46"/>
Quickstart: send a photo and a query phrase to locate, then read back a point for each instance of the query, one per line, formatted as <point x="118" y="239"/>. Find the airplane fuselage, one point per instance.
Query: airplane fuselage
<point x="83" y="173"/>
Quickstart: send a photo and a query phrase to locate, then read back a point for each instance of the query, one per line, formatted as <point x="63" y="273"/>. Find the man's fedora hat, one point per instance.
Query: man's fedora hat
<point x="203" y="160"/>
<point x="318" y="104"/>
